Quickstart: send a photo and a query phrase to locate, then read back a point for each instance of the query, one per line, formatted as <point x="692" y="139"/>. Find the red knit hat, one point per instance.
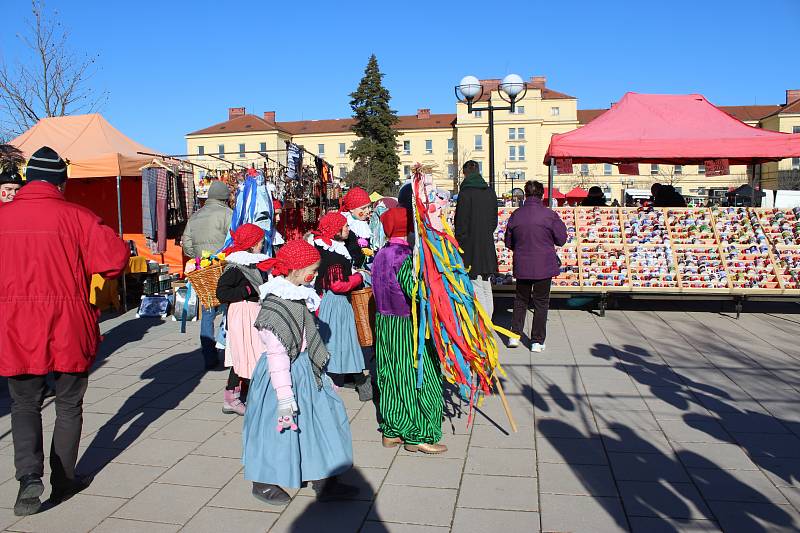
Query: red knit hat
<point x="396" y="222"/>
<point x="355" y="198"/>
<point x="245" y="237"/>
<point x="329" y="225"/>
<point x="293" y="255"/>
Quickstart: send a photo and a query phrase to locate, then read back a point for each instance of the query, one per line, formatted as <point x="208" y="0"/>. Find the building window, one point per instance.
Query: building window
<point x="320" y="149"/>
<point x="607" y="170"/>
<point x="428" y="146"/>
<point x="512" y="134"/>
<point x="654" y="169"/>
<point x="796" y="163"/>
<point x="451" y="171"/>
<point x="555" y="111"/>
<point x="477" y="114"/>
<point x="512" y="153"/>
<point x="406" y="147"/>
<point x="479" y="142"/>
<point x="263" y="147"/>
<point x="795" y="129"/>
<point x="521" y="153"/>
<point x="201" y="150"/>
<point x="407" y="170"/>
<point x="451" y="145"/>
<point x="701" y="169"/>
<point x="241" y="150"/>
<point x="584" y="169"/>
<point x="521" y="134"/>
<point x="519" y="110"/>
<point x="480" y="167"/>
<point x="342" y="150"/>
<point x="221" y="150"/>
<point x="678" y="170"/>
<point x="343" y="171"/>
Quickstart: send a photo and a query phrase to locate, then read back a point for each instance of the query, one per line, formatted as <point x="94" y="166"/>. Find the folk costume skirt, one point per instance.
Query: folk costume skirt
<point x="321" y="447"/>
<point x="337" y="327"/>
<point x="243" y="346"/>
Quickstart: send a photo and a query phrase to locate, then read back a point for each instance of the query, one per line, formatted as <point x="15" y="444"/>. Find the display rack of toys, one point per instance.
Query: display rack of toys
<point x="781" y="226"/>
<point x="567" y="215"/>
<point x="787" y="266"/>
<point x="505" y="256"/>
<point x="750" y="267"/>
<point x="570" y="275"/>
<point x="690" y="226"/>
<point x="645" y="225"/>
<point x="599" y="224"/>
<point x="652" y="266"/>
<point x="603" y="265"/>
<point x="734" y="226"/>
<point x="700" y="267"/>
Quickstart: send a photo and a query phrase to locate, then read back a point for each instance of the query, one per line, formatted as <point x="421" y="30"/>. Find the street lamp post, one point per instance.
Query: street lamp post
<point x="470" y="89"/>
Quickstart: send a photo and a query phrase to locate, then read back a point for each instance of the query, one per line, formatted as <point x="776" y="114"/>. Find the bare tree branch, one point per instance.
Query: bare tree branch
<point x="50" y="81"/>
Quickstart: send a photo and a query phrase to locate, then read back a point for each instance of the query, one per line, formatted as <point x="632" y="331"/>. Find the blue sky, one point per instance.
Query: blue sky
<point x="174" y="66"/>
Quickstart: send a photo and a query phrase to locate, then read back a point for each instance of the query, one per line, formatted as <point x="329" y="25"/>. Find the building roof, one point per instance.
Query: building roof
<point x="547" y="94"/>
<point x="745" y="113"/>
<point x="241" y="124"/>
<point x="344" y="125"/>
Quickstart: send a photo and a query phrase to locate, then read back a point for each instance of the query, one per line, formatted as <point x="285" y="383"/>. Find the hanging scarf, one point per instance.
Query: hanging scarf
<point x="253" y="205"/>
<point x="290" y="321"/>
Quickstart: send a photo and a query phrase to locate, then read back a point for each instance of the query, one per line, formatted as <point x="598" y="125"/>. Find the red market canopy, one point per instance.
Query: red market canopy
<point x="672" y="129"/>
<point x="577" y="192"/>
<point x="556" y="193"/>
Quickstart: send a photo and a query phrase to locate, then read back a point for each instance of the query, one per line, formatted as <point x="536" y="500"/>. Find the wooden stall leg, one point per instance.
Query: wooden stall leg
<point x="738" y="307"/>
<point x="603" y="303"/>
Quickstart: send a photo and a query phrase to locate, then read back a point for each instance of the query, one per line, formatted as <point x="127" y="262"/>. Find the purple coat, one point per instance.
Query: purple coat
<point x="390" y="300"/>
<point x="532" y="234"/>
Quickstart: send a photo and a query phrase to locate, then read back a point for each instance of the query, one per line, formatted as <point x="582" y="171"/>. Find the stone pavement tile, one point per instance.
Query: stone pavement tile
<point x="633" y="420"/>
<point x="173" y="504"/>
<point x="118" y="525"/>
<point x="114" y="381"/>
<point x="116" y="405"/>
<point x="156" y="418"/>
<point x="118" y="437"/>
<point x="224" y="443"/>
<point x="365" y="431"/>
<point x="793" y="495"/>
<point x="307" y="514"/>
<point x="209" y="411"/>
<point x="506" y="462"/>
<point x="595" y="480"/>
<point x="623" y="439"/>
<point x="614" y="402"/>
<point x="238" y="494"/>
<point x="695" y="429"/>
<point x="713" y="455"/>
<point x="576" y="424"/>
<point x="748" y="517"/>
<point x="492" y="412"/>
<point x="572" y="451"/>
<point x="350" y="399"/>
<point x="155" y="452"/>
<point x="438" y="472"/>
<point x="95" y="395"/>
<point x="620" y="388"/>
<point x="7" y="518"/>
<point x="202" y="471"/>
<point x="769" y="445"/>
<point x="371" y="526"/>
<point x="480" y="521"/>
<point x="414" y="505"/>
<point x="498" y="492"/>
<point x="122" y="480"/>
<point x="179" y="400"/>
<point x="647" y="524"/>
<point x="368" y="481"/>
<point x="582" y="514"/>
<point x="674" y="407"/>
<point x="491" y="437"/>
<point x="662" y="499"/>
<point x="456" y="447"/>
<point x="782" y="471"/>
<point x="372" y="455"/>
<point x="189" y="430"/>
<point x="8" y="493"/>
<point x="78" y="514"/>
<point x="751" y="423"/>
<point x="736" y="486"/>
<point x="216" y="520"/>
<point x="647" y="467"/>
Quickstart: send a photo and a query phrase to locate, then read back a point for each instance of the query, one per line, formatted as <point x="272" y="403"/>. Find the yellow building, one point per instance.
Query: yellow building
<point x="445" y="141"/>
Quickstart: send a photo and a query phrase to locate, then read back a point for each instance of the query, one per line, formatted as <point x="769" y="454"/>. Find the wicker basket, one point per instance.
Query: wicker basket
<point x="204" y="281"/>
<point x="364" y="310"/>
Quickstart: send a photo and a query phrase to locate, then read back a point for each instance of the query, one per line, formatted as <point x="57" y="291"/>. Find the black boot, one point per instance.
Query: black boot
<point x="332" y="489"/>
<point x="364" y="387"/>
<point x="28" y="502"/>
<point x="63" y="492"/>
<point x="270" y="494"/>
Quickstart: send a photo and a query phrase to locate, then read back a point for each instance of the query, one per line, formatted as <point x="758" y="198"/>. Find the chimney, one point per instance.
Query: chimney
<point x="423" y="113"/>
<point x="269" y="116"/>
<point x="234" y="112"/>
<point x="538" y="81"/>
<point x="792" y="96"/>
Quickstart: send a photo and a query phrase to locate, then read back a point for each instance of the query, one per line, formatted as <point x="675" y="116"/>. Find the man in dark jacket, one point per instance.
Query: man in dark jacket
<point x="206" y="231"/>
<point x="51" y="248"/>
<point x="475" y="223"/>
<point x="532" y="233"/>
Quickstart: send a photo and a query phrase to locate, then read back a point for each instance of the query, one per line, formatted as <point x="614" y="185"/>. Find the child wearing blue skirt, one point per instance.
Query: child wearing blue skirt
<point x="296" y="427"/>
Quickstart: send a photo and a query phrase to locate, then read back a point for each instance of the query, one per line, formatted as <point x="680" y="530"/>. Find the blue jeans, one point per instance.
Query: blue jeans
<point x="208" y="342"/>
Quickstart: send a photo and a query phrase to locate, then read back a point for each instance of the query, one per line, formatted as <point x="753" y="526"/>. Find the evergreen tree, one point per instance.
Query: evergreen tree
<point x="375" y="151"/>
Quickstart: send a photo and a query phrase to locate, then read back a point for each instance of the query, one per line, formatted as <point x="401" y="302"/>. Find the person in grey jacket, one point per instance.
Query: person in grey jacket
<point x="206" y="231"/>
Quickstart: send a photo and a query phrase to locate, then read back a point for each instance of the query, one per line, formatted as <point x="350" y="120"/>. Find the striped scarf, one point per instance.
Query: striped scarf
<point x="287" y="320"/>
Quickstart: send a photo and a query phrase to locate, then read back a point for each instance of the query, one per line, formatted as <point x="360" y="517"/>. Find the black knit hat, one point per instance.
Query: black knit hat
<point x="11" y="158"/>
<point x="10" y="177"/>
<point x="46" y="165"/>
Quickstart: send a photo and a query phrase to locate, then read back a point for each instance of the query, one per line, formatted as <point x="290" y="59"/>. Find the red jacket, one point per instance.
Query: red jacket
<point x="49" y="250"/>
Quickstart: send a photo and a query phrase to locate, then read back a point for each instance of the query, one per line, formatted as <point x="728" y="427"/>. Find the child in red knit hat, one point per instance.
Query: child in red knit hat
<point x="357" y="208"/>
<point x="296" y="427"/>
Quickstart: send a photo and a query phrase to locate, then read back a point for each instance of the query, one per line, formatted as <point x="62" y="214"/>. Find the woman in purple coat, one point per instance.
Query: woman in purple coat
<point x="533" y="233"/>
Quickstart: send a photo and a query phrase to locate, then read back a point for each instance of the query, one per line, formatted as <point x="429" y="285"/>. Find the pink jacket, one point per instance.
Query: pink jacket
<point x="279" y="364"/>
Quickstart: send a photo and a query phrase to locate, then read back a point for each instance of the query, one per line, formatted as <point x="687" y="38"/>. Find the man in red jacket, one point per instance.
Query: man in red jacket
<point x="50" y="248"/>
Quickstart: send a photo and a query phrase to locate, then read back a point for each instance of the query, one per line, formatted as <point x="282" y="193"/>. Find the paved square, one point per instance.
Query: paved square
<point x="648" y="420"/>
